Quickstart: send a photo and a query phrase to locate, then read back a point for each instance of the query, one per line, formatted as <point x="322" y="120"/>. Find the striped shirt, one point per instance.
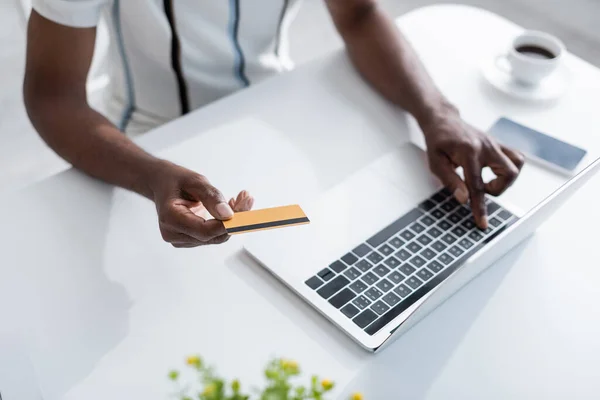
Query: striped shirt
<point x="167" y="57"/>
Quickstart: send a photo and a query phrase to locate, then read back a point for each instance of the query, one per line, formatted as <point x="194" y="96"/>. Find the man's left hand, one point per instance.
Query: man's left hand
<point x="452" y="143"/>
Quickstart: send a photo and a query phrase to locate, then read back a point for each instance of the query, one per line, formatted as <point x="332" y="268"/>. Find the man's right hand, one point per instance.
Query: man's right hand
<point x="183" y="198"/>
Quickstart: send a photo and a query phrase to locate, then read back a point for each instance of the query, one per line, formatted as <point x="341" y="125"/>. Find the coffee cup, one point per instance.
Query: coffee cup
<point x="532" y="56"/>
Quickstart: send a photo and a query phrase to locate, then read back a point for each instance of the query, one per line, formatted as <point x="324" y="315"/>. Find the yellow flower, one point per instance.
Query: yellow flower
<point x="327" y="384"/>
<point x="173" y="375"/>
<point x="209" y="389"/>
<point x="235" y="385"/>
<point x="289" y="366"/>
<point x="356" y="396"/>
<point x="194" y="361"/>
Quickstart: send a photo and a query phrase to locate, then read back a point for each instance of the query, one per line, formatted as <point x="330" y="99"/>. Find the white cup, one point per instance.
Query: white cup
<point x="531" y="57"/>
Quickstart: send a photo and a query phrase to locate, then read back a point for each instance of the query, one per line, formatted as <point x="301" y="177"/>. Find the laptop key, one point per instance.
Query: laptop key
<point x="342" y="298"/>
<point x="382" y="236"/>
<point x="381" y="270"/>
<point x="439" y="246"/>
<point x="435" y="266"/>
<point x="417" y="227"/>
<point x="495" y="222"/>
<point x="444" y="225"/>
<point x="392" y="262"/>
<point x="350" y="311"/>
<point x="358" y="286"/>
<point x="417" y="261"/>
<point x="365" y="318"/>
<point x="361" y="302"/>
<point x="333" y="287"/>
<point x="455" y="218"/>
<point x="370" y="278"/>
<point x="437" y="214"/>
<point x="380" y="307"/>
<point x="455" y="251"/>
<point x="352" y="273"/>
<point x="395" y="277"/>
<point x="466" y="243"/>
<point x="373" y="293"/>
<point x="338" y="266"/>
<point x="440" y="196"/>
<point x="384" y="285"/>
<point x="425" y="274"/>
<point x="314" y="282"/>
<point x="402" y="291"/>
<point x="492" y="207"/>
<point x="414" y="282"/>
<point x="375" y="257"/>
<point x="407" y="235"/>
<point x="448" y="238"/>
<point x="391" y="299"/>
<point x="445" y="258"/>
<point x="424" y="240"/>
<point x="458" y="231"/>
<point x="385" y="250"/>
<point x="403" y="254"/>
<point x="326" y="274"/>
<point x="463" y="211"/>
<point x="504" y="215"/>
<point x="363" y="265"/>
<point x="361" y="250"/>
<point x="427" y="221"/>
<point x="414" y="247"/>
<point x="396" y="242"/>
<point x="468" y="224"/>
<point x="349" y="259"/>
<point x="475" y="236"/>
<point x="428" y="254"/>
<point x="406" y="269"/>
<point x="427" y="205"/>
<point x="449" y="206"/>
<point x="434" y="232"/>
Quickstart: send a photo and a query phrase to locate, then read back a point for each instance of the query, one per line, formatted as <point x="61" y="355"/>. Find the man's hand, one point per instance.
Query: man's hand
<point x="452" y="143"/>
<point x="185" y="202"/>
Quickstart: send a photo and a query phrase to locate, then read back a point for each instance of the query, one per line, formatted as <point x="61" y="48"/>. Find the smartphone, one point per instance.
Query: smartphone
<point x="537" y="146"/>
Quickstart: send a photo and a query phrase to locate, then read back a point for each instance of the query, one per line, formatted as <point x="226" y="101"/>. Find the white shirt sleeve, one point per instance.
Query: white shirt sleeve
<point x="74" y="13"/>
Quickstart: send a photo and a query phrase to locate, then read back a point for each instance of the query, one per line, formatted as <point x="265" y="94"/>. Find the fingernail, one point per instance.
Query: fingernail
<point x="484" y="222"/>
<point x="224" y="210"/>
<point x="461" y="195"/>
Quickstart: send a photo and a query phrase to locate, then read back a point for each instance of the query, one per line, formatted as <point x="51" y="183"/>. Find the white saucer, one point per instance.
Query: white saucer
<point x="548" y="89"/>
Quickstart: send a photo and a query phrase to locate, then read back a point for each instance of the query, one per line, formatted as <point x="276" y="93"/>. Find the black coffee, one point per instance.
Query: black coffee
<point x="535" y="52"/>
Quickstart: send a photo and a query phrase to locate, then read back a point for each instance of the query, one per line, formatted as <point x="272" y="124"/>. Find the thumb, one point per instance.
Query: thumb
<point x="211" y="197"/>
<point x="444" y="170"/>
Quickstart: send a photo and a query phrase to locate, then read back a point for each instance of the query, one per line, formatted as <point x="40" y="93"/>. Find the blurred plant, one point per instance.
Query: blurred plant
<point x="278" y="373"/>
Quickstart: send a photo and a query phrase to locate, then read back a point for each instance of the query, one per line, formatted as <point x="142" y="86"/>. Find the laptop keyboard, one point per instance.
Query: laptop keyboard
<point x="382" y="277"/>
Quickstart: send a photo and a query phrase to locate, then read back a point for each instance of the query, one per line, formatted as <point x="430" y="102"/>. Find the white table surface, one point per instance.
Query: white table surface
<point x="107" y="308"/>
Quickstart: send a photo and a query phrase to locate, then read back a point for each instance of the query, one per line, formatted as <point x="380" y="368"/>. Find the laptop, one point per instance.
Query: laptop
<point x="388" y="245"/>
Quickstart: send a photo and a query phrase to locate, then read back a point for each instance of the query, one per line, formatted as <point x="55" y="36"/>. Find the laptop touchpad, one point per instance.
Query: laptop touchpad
<point x="407" y="169"/>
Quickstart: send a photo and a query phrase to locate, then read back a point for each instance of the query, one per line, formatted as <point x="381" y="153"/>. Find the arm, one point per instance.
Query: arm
<point x="387" y="61"/>
<point x="58" y="61"/>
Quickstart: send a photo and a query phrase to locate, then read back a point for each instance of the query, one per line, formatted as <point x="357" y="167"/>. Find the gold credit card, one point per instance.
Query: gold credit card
<point x="267" y="218"/>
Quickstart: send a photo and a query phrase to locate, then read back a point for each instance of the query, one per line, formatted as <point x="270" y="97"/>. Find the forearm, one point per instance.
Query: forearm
<point x="92" y="144"/>
<point x="388" y="62"/>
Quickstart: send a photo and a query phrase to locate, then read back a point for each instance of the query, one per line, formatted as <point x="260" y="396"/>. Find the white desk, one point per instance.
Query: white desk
<point x="108" y="308"/>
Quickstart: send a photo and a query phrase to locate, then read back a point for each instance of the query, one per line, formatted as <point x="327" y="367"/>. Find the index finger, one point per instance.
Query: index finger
<point x="185" y="221"/>
<point x="472" y="169"/>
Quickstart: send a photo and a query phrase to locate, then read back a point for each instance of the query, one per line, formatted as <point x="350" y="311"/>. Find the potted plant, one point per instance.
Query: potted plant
<point x="279" y="374"/>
